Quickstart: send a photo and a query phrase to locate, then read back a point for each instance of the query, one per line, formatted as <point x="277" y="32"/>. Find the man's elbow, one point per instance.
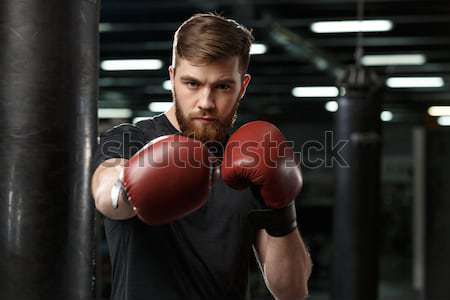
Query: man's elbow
<point x="100" y="205"/>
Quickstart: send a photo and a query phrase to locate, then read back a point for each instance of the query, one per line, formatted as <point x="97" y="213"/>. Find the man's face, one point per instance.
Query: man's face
<point x="207" y="97"/>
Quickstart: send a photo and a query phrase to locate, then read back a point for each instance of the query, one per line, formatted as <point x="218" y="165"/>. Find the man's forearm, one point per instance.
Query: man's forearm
<point x="103" y="181"/>
<point x="287" y="266"/>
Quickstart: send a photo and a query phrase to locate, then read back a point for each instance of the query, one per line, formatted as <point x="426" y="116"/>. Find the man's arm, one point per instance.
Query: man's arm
<point x="105" y="176"/>
<point x="272" y="171"/>
<point x="285" y="263"/>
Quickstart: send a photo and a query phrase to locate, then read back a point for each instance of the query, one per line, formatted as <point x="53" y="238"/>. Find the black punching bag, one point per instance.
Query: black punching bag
<point x="48" y="90"/>
<point x="437" y="209"/>
<point x="355" y="267"/>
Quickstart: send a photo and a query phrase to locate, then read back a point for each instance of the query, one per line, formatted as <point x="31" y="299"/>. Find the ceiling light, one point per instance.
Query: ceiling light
<point x="105" y="27"/>
<point x="138" y="119"/>
<point x="159" y="106"/>
<point x="351" y="26"/>
<point x="167" y="85"/>
<point x="395" y="59"/>
<point x="437" y="111"/>
<point x="414" y="82"/>
<point x="258" y="49"/>
<point x="444" y="121"/>
<point x="114" y="113"/>
<point x="386" y="116"/>
<point x="315" y="91"/>
<point x="331" y="106"/>
<point x="131" y="64"/>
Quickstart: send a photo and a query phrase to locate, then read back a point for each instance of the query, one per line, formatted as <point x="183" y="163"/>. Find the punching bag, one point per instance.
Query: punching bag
<point x="355" y="267"/>
<point x="48" y="90"/>
<point x="437" y="214"/>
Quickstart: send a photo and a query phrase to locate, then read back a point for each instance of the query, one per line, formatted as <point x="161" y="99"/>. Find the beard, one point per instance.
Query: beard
<point x="215" y="132"/>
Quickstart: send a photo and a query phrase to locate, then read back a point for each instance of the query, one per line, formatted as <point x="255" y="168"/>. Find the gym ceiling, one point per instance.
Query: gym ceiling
<point x="296" y="55"/>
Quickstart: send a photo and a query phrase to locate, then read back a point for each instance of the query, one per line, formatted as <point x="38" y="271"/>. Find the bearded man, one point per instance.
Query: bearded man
<point x="185" y="203"/>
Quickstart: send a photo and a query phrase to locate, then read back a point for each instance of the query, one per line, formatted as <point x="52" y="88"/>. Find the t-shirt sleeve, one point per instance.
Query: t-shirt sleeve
<point x="121" y="141"/>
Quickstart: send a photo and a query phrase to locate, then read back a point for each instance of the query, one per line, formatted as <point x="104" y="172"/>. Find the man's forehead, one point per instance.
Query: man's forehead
<point x="227" y="65"/>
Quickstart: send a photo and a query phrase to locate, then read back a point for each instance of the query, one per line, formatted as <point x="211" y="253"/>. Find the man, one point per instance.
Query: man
<point x="161" y="251"/>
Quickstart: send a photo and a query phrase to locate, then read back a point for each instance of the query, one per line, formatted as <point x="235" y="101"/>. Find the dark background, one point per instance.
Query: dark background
<point x="144" y="29"/>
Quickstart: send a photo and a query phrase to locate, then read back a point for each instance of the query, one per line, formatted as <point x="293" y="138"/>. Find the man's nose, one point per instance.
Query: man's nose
<point x="206" y="100"/>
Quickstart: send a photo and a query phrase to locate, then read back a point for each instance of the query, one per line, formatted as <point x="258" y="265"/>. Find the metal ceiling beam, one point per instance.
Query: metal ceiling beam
<point x="303" y="49"/>
<point x="108" y="28"/>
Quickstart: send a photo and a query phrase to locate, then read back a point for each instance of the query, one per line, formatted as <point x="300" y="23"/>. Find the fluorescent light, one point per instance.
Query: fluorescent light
<point x="444" y="121"/>
<point x="437" y="111"/>
<point x="331" y="106"/>
<point x="131" y="64"/>
<point x="414" y="82"/>
<point x="351" y="26"/>
<point x="112" y="113"/>
<point x="315" y="91"/>
<point x="386" y="116"/>
<point x="258" y="49"/>
<point x="104" y="27"/>
<point x="167" y="85"/>
<point x="395" y="59"/>
<point x="159" y="106"/>
<point x="138" y="119"/>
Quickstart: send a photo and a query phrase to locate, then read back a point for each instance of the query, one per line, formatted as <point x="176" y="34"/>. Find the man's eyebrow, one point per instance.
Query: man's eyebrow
<point x="188" y="78"/>
<point x="229" y="81"/>
<point x="226" y="81"/>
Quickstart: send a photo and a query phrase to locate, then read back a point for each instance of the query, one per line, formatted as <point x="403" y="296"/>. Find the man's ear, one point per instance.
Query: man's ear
<point x="171" y="73"/>
<point x="172" y="77"/>
<point x="245" y="82"/>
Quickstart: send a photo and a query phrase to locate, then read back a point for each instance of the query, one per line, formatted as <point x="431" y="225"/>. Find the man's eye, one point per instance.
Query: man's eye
<point x="191" y="84"/>
<point x="223" y="87"/>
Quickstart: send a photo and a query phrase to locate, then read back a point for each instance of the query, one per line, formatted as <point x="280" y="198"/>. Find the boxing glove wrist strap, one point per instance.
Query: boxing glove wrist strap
<point x="118" y="191"/>
<point x="277" y="222"/>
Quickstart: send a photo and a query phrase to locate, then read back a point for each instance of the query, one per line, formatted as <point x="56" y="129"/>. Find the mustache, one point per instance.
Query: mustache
<point x="202" y="114"/>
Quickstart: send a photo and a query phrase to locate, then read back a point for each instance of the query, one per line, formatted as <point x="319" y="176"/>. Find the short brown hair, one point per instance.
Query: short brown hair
<point x="208" y="37"/>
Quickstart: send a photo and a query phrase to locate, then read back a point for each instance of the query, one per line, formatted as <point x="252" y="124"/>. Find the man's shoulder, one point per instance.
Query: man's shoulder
<point x="156" y="126"/>
<point x="147" y="127"/>
<point x="122" y="130"/>
<point x="150" y="123"/>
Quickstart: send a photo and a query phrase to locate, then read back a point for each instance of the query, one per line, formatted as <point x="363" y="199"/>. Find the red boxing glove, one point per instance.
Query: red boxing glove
<point x="258" y="155"/>
<point x="167" y="179"/>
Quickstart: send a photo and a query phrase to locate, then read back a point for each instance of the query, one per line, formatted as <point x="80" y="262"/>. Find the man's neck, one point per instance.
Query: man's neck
<point x="171" y="116"/>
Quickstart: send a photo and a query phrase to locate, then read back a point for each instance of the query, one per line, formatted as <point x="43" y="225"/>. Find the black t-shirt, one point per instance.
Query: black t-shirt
<point x="204" y="255"/>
